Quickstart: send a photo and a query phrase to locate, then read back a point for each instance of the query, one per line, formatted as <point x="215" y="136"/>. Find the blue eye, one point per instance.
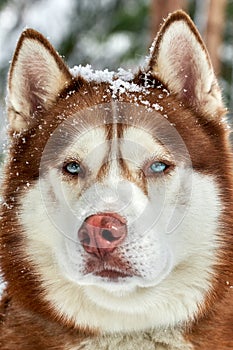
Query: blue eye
<point x="73" y="168"/>
<point x="158" y="167"/>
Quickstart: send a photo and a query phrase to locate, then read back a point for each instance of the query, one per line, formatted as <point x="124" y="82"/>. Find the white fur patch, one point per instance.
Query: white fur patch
<point x="138" y="146"/>
<point x="90" y="147"/>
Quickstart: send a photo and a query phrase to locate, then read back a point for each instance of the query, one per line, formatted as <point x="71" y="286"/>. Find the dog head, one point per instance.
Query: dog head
<point x="112" y="194"/>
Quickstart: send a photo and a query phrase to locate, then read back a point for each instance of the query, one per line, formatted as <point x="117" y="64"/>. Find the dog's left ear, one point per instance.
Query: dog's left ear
<point x="179" y="58"/>
<point x="36" y="77"/>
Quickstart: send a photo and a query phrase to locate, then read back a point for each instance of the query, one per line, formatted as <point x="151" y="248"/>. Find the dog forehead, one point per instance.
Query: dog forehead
<point x="99" y="143"/>
<point x="141" y="137"/>
<point x="89" y="140"/>
<point x="117" y="128"/>
<point x="138" y="145"/>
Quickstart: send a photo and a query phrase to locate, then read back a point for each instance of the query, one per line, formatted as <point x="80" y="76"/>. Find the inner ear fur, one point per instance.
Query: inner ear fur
<point x="37" y="75"/>
<point x="180" y="59"/>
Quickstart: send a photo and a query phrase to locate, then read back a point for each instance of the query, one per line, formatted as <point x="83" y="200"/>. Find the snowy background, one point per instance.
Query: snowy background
<point x="103" y="33"/>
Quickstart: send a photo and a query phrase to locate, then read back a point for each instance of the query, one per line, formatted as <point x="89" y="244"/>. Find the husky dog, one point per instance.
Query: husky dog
<point x="116" y="220"/>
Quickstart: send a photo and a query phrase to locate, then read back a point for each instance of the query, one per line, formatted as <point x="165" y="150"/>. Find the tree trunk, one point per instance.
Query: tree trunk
<point x="160" y="9"/>
<point x="214" y="31"/>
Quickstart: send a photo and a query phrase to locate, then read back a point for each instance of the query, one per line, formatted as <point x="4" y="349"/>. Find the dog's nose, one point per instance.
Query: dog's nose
<point x="100" y="234"/>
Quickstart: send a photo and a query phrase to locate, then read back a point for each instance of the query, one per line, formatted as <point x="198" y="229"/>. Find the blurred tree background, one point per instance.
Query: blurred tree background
<point x="113" y="33"/>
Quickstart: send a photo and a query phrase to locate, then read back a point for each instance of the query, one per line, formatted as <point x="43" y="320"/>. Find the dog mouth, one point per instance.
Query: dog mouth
<point x="111" y="271"/>
<point x="112" y="275"/>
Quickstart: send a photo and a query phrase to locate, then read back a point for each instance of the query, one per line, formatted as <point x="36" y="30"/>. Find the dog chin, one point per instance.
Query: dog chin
<point x="117" y="289"/>
<point x="120" y="287"/>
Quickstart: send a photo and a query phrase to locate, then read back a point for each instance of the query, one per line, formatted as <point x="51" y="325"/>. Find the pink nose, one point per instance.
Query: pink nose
<point x="101" y="234"/>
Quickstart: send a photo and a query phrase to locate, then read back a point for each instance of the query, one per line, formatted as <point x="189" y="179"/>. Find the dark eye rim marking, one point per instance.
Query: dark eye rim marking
<point x="80" y="171"/>
<point x="161" y="167"/>
<point x="149" y="172"/>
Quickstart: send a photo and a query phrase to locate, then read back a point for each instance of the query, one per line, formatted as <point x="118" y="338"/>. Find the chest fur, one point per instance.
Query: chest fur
<point x="155" y="340"/>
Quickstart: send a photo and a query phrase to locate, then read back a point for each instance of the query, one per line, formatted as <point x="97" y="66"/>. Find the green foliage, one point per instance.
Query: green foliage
<point x="3" y="3"/>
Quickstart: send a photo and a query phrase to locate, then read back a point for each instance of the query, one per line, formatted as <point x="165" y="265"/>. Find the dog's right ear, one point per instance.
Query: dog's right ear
<point x="37" y="75"/>
<point x="179" y="59"/>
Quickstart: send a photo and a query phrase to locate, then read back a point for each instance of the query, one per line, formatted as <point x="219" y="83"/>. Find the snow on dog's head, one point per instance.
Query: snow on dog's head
<point x="113" y="185"/>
